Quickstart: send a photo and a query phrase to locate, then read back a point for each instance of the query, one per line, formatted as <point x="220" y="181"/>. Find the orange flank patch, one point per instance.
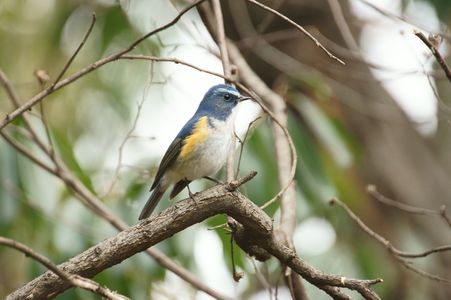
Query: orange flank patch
<point x="200" y="134"/>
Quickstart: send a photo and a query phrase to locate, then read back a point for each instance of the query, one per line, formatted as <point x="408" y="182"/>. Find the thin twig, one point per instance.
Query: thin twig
<point x="372" y="190"/>
<point x="74" y="280"/>
<point x="302" y="29"/>
<point x="71" y="59"/>
<point x="423" y="273"/>
<point x="172" y="60"/>
<point x="10" y="91"/>
<point x="4" y="80"/>
<point x="441" y="61"/>
<point x="233" y="185"/>
<point x="236" y="275"/>
<point x="425" y="253"/>
<point x="121" y="148"/>
<point x="399" y="255"/>
<point x="242" y="142"/>
<point x="27" y="153"/>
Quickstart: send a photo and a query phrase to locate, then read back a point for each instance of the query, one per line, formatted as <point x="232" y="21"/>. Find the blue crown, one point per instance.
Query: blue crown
<point x="219" y="102"/>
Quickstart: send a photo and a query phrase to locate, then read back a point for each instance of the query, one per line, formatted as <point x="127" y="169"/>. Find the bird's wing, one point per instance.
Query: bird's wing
<point x="184" y="141"/>
<point x="168" y="159"/>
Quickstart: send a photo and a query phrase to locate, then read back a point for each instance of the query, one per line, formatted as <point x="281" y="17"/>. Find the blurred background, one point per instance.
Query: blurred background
<point x="382" y="119"/>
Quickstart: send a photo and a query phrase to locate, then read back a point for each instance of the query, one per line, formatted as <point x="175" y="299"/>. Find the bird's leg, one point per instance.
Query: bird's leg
<point x="191" y="195"/>
<point x="213" y="179"/>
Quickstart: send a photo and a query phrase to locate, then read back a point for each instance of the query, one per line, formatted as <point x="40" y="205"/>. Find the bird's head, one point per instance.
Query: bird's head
<point x="220" y="100"/>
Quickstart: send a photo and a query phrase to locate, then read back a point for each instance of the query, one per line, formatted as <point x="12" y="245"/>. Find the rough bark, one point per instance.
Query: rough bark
<point x="148" y="232"/>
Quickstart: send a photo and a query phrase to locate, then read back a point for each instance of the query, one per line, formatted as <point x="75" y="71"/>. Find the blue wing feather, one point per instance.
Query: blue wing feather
<point x="174" y="149"/>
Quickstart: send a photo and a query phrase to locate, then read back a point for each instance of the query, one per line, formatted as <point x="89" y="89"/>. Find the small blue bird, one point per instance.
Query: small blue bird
<point x="200" y="149"/>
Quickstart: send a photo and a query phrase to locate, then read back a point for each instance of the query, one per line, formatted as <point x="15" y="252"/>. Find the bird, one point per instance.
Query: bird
<point x="201" y="147"/>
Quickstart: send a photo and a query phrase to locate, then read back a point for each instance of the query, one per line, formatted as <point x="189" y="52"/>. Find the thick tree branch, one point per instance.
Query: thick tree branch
<point x="216" y="200"/>
<point x="147" y="233"/>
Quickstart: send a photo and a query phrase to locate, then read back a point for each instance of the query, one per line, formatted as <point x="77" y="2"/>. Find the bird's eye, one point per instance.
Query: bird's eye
<point x="227" y="96"/>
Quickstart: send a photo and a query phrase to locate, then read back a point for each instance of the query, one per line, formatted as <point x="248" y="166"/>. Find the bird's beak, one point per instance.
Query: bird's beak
<point x="241" y="99"/>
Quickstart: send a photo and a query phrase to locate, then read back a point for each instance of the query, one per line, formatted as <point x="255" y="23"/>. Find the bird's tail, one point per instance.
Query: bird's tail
<point x="152" y="201"/>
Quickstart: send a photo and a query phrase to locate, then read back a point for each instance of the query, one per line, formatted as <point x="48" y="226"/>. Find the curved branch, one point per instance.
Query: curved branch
<point x="299" y="27"/>
<point x="372" y="190"/>
<point x="398" y="254"/>
<point x="216" y="200"/>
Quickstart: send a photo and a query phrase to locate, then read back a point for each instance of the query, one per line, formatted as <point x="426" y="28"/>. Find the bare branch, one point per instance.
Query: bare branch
<point x="121" y="148"/>
<point x="233" y="185"/>
<point x="71" y="59"/>
<point x="302" y="29"/>
<point x="9" y="88"/>
<point x="216" y="200"/>
<point x="372" y="190"/>
<point x="335" y="293"/>
<point x="242" y="142"/>
<point x="16" y="102"/>
<point x="172" y="60"/>
<point x="97" y="206"/>
<point x="76" y="281"/>
<point x="399" y="255"/>
<point x="24" y="151"/>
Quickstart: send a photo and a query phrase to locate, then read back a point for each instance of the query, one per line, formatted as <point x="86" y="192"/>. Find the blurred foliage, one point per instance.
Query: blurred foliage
<point x="90" y="118"/>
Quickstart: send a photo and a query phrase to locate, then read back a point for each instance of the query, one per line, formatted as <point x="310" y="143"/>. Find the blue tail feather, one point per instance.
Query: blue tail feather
<point x="152" y="202"/>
